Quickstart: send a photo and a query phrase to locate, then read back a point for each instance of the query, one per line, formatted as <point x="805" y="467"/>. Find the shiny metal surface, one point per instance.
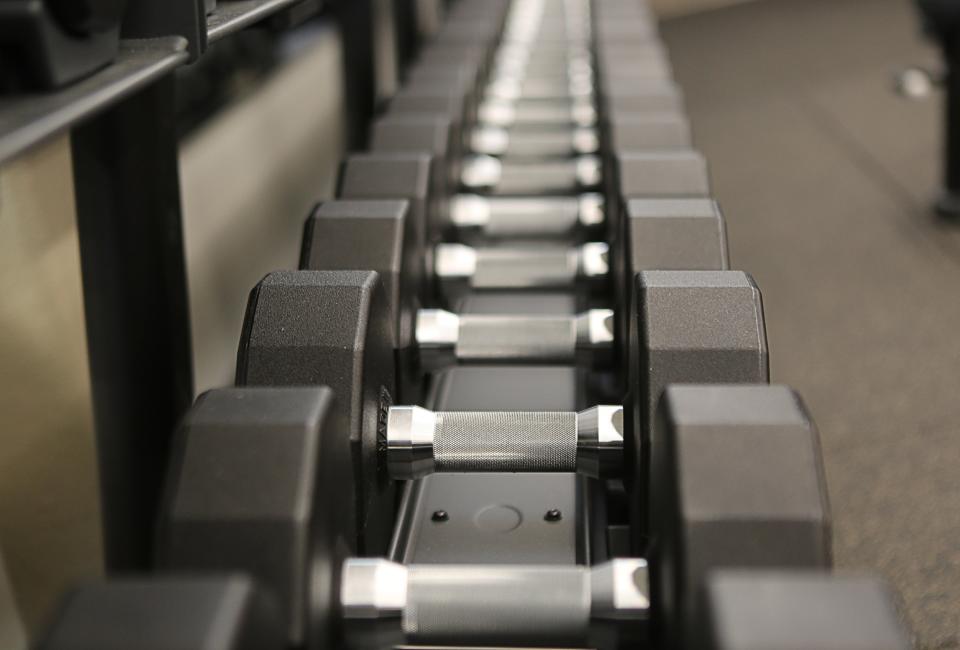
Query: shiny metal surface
<point x="445" y="338"/>
<point x="521" y="267"/>
<point x="471" y="605"/>
<point x="526" y="217"/>
<point x="600" y="441"/>
<point x="410" y="441"/>
<point x="420" y="442"/>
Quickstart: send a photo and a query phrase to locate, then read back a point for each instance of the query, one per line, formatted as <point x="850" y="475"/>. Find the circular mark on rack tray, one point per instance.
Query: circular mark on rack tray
<point x="498" y="519"/>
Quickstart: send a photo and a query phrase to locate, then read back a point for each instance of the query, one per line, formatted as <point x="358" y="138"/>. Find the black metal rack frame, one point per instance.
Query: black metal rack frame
<point x="124" y="143"/>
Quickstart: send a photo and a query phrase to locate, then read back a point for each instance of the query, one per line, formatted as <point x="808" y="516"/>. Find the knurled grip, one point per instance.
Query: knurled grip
<point x="420" y="442"/>
<point x="539" y="178"/>
<point x="478" y="441"/>
<point x="525" y="268"/>
<point x="385" y="604"/>
<point x="542" y="144"/>
<point x="526" y="217"/>
<point x="481" y="604"/>
<point x="544" y="339"/>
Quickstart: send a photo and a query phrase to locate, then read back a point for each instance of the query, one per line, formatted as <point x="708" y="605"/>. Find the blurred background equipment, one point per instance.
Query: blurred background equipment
<point x="941" y="22"/>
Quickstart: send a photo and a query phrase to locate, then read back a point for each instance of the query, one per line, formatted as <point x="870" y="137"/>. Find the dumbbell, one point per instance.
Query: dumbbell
<point x="379" y="235"/>
<point x="454" y="266"/>
<point x="335" y="328"/>
<point x="655" y="233"/>
<point x="662" y="173"/>
<point x="275" y="498"/>
<point x="775" y="610"/>
<point x="500" y="216"/>
<point x="411" y="176"/>
<point x="492" y="138"/>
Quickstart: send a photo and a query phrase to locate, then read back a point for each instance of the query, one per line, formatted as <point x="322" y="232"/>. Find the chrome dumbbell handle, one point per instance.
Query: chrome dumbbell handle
<point x="545" y="143"/>
<point x="445" y="338"/>
<point x="386" y="604"/>
<point x="520" y="267"/>
<point x="579" y="111"/>
<point x="420" y="442"/>
<point x="480" y="172"/>
<point x="503" y="217"/>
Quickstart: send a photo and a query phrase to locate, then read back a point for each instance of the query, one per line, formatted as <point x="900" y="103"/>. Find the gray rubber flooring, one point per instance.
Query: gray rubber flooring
<point x="825" y="177"/>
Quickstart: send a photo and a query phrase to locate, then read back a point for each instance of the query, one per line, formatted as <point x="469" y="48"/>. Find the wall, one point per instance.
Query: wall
<point x="249" y="179"/>
<point x="49" y="515"/>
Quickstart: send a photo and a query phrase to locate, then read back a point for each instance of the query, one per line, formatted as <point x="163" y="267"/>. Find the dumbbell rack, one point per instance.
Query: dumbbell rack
<point x="529" y="518"/>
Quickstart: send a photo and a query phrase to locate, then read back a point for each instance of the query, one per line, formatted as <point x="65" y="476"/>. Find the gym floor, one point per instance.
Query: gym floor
<point x="826" y="177"/>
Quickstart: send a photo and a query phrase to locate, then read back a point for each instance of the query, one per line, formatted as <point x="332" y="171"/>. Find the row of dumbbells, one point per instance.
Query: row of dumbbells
<point x="513" y="397"/>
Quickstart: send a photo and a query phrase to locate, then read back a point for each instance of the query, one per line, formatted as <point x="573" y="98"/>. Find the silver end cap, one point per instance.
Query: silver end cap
<point x="410" y="433"/>
<point x="600" y="432"/>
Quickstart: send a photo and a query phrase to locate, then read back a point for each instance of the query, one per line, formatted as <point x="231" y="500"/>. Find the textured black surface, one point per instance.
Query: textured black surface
<point x="675" y="234"/>
<point x="379" y="236"/>
<point x="703" y="327"/>
<point x="737" y="481"/>
<point x="330" y="328"/>
<point x="431" y="133"/>
<point x="202" y="613"/>
<point x="662" y="174"/>
<point x="498" y="518"/>
<point x="388" y="175"/>
<point x="256" y="486"/>
<point x="433" y="98"/>
<point x="631" y="131"/>
<point x="783" y="610"/>
<point x="826" y="178"/>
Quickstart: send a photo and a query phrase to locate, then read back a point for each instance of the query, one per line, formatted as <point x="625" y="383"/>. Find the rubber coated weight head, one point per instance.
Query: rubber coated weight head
<point x="737" y="481"/>
<point x="695" y="327"/>
<point x="406" y="132"/>
<point x="260" y="484"/>
<point x="473" y="57"/>
<point x="646" y="96"/>
<point x="460" y="72"/>
<point x="662" y="174"/>
<point x="368" y="236"/>
<point x="404" y="176"/>
<point x="429" y="133"/>
<point x="648" y="132"/>
<point x="664" y="235"/>
<point x="331" y="328"/>
<point x="435" y="97"/>
<point x="687" y="327"/>
<point x="375" y="236"/>
<point x="784" y="610"/>
<point x="675" y="234"/>
<point x="185" y="613"/>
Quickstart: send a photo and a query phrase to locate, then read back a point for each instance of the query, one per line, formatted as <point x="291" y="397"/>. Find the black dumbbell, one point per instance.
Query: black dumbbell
<point x="503" y="216"/>
<point x="661" y="173"/>
<point x="775" y="610"/>
<point x="377" y="235"/>
<point x="335" y="329"/>
<point x="409" y="176"/>
<point x="273" y="509"/>
<point x="744" y="605"/>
